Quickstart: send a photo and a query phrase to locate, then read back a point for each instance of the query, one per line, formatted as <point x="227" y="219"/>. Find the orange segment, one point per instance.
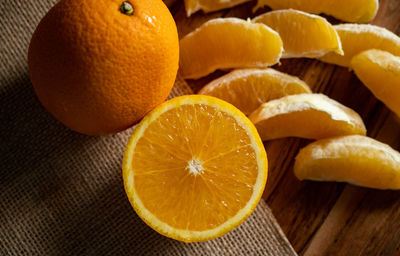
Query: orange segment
<point x="380" y="72"/>
<point x="194" y="168"/>
<point x="247" y="89"/>
<point x="193" y="6"/>
<point x="359" y="11"/>
<point x="312" y="116"/>
<point x="228" y="43"/>
<point x="303" y="34"/>
<point x="355" y="159"/>
<point x="357" y="38"/>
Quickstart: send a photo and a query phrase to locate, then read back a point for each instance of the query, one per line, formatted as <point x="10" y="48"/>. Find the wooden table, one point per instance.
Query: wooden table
<point x="325" y="218"/>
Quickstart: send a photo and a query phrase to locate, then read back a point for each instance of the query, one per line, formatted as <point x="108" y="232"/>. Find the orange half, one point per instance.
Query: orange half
<point x="194" y="168"/>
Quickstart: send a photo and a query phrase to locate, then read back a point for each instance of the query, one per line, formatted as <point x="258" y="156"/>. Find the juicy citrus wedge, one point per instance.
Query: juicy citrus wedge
<point x="228" y="43"/>
<point x="303" y="34"/>
<point x="193" y="6"/>
<point x="355" y="159"/>
<point x="247" y="89"/>
<point x="380" y="72"/>
<point x="359" y="11"/>
<point x="312" y="116"/>
<point x="356" y="38"/>
<point x="194" y="168"/>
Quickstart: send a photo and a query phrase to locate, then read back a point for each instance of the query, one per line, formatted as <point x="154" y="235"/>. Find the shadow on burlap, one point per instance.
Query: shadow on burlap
<point x="61" y="193"/>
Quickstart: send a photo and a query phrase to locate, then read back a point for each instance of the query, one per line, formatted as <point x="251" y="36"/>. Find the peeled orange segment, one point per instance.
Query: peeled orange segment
<point x="380" y="72"/>
<point x="247" y="89"/>
<point x="312" y="116"/>
<point x="303" y="34"/>
<point x="358" y="11"/>
<point x="355" y="159"/>
<point x="193" y="6"/>
<point x="228" y="43"/>
<point x="194" y="168"/>
<point x="357" y="38"/>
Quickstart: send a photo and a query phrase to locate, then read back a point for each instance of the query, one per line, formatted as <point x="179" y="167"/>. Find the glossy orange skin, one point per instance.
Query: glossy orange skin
<point x="99" y="71"/>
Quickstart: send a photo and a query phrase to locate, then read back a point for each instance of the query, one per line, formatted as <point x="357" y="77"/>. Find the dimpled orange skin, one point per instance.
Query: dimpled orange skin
<point x="99" y="71"/>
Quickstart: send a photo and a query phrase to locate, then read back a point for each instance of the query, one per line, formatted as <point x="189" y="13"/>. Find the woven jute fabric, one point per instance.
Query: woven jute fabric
<point x="61" y="193"/>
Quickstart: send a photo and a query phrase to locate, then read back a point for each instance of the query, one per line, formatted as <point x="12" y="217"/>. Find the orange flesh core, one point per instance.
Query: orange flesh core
<point x="197" y="171"/>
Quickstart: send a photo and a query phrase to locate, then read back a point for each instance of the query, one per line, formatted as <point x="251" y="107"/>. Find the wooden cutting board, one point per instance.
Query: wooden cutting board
<point x="325" y="218"/>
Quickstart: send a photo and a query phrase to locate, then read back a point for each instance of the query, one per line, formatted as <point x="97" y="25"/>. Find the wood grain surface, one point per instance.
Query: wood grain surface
<point x="325" y="218"/>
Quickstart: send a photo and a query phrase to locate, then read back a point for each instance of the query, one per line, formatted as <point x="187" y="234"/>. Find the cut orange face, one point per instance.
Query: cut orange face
<point x="194" y="168"/>
<point x="226" y="43"/>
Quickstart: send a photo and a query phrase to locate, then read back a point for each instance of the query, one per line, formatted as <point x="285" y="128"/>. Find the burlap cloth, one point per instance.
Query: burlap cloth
<point x="61" y="193"/>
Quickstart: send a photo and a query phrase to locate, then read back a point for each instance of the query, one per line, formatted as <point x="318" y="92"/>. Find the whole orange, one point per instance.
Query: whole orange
<point x="99" y="66"/>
